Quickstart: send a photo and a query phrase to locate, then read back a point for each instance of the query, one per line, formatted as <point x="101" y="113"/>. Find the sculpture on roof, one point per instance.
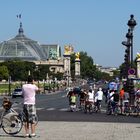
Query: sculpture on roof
<point x="138" y="56"/>
<point x="77" y="55"/>
<point x="68" y="50"/>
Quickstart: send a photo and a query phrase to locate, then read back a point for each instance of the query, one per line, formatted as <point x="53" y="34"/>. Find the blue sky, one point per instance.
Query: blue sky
<point x="94" y="26"/>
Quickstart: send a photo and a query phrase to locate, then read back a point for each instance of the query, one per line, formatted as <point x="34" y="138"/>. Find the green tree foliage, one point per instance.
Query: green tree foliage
<point x="4" y="72"/>
<point x="87" y="66"/>
<point x="18" y="70"/>
<point x="88" y="69"/>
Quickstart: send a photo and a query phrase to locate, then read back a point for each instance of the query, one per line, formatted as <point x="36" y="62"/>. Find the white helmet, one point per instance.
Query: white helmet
<point x="100" y="89"/>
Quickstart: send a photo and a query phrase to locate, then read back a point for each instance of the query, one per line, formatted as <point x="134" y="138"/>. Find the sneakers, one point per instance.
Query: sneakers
<point x="26" y="135"/>
<point x="33" y="135"/>
<point x="30" y="136"/>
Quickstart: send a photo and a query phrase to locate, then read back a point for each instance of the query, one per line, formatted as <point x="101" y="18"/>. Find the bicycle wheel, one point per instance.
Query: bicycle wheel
<point x="12" y="125"/>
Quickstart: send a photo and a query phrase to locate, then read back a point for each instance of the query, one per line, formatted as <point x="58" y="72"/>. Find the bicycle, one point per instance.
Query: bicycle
<point x="82" y="104"/>
<point x="137" y="108"/>
<point x="116" y="108"/>
<point x="12" y="121"/>
<point x="89" y="107"/>
<point x="97" y="107"/>
<point x="126" y="108"/>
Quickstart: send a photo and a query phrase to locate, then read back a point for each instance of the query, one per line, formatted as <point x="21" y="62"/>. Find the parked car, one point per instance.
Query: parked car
<point x="17" y="93"/>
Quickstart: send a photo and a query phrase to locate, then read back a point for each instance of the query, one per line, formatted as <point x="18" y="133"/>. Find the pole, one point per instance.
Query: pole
<point x="132" y="50"/>
<point x="9" y="85"/>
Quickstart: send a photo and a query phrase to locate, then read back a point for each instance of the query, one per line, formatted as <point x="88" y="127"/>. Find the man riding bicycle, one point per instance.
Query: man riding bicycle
<point x="89" y="101"/>
<point x="82" y="97"/>
<point x="115" y="102"/>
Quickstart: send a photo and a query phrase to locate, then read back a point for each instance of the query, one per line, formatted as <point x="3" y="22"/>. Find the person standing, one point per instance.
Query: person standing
<point x="29" y="92"/>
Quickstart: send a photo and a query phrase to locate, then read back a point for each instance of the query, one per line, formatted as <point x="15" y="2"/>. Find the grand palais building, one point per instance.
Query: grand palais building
<point x="26" y="49"/>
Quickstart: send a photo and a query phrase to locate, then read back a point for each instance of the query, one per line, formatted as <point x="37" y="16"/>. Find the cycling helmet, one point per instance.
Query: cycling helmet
<point x="100" y="89"/>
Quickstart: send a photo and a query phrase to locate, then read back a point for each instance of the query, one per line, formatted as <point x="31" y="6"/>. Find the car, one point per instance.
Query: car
<point x="90" y="82"/>
<point x="17" y="93"/>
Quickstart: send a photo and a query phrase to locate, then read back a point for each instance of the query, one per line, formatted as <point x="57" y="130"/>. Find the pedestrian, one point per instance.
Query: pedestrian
<point x="29" y="92"/>
<point x="121" y="99"/>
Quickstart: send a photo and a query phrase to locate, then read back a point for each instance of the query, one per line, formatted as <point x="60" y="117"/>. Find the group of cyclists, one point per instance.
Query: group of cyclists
<point x="88" y="100"/>
<point x="117" y="101"/>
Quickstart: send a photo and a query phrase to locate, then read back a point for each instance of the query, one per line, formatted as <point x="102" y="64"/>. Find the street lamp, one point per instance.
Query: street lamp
<point x="37" y="69"/>
<point x="9" y="82"/>
<point x="129" y="58"/>
<point x="131" y="24"/>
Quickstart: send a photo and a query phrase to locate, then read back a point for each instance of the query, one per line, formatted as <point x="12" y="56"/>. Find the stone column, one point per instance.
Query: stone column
<point x="77" y="64"/>
<point x="138" y="67"/>
<point x="67" y="63"/>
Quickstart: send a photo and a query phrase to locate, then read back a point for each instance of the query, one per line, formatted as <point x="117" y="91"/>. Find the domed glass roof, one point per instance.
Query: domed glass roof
<point x="21" y="47"/>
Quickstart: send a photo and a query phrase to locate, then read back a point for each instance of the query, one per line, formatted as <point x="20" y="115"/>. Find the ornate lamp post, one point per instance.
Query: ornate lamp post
<point x="131" y="24"/>
<point x="129" y="58"/>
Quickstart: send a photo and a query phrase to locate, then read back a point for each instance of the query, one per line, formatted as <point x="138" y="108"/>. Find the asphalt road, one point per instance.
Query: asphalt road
<point x="55" y="107"/>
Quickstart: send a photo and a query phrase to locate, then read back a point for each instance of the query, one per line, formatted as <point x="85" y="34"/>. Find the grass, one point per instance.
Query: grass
<point x="4" y="87"/>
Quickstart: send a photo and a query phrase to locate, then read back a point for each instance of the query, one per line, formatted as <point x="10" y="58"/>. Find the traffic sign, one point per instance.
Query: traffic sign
<point x="131" y="71"/>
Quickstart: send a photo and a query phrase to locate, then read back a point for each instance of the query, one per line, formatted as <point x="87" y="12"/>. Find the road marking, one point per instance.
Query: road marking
<point x="50" y="109"/>
<point x="64" y="109"/>
<point x="64" y="96"/>
<point x="39" y="108"/>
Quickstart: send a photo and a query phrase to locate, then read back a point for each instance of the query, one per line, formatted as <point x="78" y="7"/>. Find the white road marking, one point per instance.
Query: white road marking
<point x="64" y="109"/>
<point x="50" y="109"/>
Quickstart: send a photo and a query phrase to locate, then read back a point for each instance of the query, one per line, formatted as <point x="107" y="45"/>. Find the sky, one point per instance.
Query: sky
<point x="97" y="27"/>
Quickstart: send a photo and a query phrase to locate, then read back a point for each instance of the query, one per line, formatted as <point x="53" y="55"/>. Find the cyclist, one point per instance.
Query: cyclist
<point x="110" y="99"/>
<point x="73" y="102"/>
<point x="137" y="102"/>
<point x="89" y="100"/>
<point x="115" y="102"/>
<point x="99" y="98"/>
<point x="126" y="102"/>
<point x="82" y="96"/>
<point x="29" y="91"/>
<point x="137" y="96"/>
<point x="121" y="99"/>
<point x="69" y="94"/>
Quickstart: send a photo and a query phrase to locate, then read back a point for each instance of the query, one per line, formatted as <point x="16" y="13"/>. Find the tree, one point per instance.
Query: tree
<point x="87" y="66"/>
<point x="4" y="72"/>
<point x="17" y="69"/>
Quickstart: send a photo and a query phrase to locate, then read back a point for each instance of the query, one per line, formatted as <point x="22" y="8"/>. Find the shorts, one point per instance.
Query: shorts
<point x="29" y="113"/>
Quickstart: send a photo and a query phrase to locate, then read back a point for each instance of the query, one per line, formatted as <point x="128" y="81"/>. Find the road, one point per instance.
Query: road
<point x="56" y="122"/>
<point x="54" y="107"/>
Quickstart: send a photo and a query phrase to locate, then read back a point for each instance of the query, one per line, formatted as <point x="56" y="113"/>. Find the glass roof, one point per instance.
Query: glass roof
<point x="21" y="47"/>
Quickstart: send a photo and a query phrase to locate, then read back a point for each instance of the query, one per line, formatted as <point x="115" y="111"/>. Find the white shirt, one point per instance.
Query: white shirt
<point x="91" y="96"/>
<point x="29" y="91"/>
<point x="99" y="95"/>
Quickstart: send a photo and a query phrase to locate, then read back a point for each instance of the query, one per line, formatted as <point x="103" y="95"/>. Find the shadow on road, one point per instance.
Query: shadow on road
<point x="82" y="117"/>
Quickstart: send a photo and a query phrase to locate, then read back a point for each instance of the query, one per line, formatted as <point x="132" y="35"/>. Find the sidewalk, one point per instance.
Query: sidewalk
<point x="81" y="131"/>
